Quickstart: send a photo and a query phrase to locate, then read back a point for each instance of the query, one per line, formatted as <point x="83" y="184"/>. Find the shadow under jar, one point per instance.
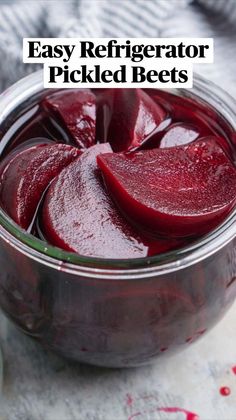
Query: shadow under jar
<point x="115" y="313"/>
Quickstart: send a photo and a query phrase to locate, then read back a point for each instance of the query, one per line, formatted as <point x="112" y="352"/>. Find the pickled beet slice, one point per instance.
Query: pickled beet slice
<point x="76" y="109"/>
<point x="179" y="134"/>
<point x="126" y="117"/>
<point x="28" y="174"/>
<point x="170" y="135"/>
<point x="36" y="141"/>
<point x="201" y="116"/>
<point x="79" y="216"/>
<point x="180" y="191"/>
<point x="224" y="144"/>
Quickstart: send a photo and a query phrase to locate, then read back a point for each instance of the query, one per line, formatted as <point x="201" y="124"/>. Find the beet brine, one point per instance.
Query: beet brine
<point x="118" y="173"/>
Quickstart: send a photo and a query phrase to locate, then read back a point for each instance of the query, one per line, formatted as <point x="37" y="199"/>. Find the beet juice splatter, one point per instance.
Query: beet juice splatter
<point x="225" y="391"/>
<point x="188" y="414"/>
<point x="234" y="370"/>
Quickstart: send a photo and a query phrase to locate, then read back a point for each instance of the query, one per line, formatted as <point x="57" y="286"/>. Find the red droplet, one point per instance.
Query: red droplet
<point x="225" y="391"/>
<point x="189" y="415"/>
<point x="234" y="369"/>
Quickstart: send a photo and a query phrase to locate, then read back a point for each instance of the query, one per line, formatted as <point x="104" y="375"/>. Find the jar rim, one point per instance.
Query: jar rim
<point x="120" y="269"/>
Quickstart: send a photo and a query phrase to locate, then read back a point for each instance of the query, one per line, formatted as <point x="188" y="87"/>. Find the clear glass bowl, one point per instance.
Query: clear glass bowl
<point x="115" y="312"/>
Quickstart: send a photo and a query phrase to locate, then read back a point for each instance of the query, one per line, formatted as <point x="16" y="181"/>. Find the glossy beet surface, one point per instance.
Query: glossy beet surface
<point x="177" y="192"/>
<point x="109" y="312"/>
<point x="78" y="215"/>
<point x="27" y="175"/>
<point x="77" y="113"/>
<point x="126" y="117"/>
<point x="179" y="134"/>
<point x="169" y="175"/>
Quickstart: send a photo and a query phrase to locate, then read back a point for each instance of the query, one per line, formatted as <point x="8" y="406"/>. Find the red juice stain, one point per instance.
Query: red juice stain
<point x="188" y="414"/>
<point x="129" y="399"/>
<point x="134" y="415"/>
<point x="234" y="369"/>
<point x="200" y="332"/>
<point x="225" y="391"/>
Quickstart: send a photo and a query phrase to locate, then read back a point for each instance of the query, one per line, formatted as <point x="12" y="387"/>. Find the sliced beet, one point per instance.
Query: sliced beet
<point x="180" y="191"/>
<point x="36" y="141"/>
<point x="179" y="134"/>
<point x="76" y="110"/>
<point x="191" y="112"/>
<point x="27" y="175"/>
<point x="224" y="144"/>
<point x="170" y="135"/>
<point x="78" y="215"/>
<point x="126" y="117"/>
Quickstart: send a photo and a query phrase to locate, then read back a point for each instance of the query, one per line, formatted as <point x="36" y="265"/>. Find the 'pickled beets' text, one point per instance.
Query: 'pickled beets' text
<point x="134" y="62"/>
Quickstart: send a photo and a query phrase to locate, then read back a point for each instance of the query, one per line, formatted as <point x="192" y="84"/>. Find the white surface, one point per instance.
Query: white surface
<point x="41" y="386"/>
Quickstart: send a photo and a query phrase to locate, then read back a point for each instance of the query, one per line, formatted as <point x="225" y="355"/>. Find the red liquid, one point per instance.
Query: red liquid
<point x="129" y="400"/>
<point x="131" y="120"/>
<point x="225" y="391"/>
<point x="188" y="414"/>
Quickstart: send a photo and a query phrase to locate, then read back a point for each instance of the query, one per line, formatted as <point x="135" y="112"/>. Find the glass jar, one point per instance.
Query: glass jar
<point x="115" y="312"/>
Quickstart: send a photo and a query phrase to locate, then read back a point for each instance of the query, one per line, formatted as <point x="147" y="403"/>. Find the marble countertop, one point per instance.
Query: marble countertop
<point x="41" y="386"/>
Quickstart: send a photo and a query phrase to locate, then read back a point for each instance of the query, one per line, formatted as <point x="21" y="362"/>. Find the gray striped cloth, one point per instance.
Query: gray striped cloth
<point x="119" y="18"/>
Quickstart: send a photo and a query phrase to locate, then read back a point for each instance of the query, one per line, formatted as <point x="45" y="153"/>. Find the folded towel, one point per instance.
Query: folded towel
<point x="119" y="18"/>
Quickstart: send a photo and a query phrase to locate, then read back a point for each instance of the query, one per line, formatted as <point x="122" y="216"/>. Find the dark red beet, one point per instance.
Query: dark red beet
<point x="189" y="111"/>
<point x="76" y="109"/>
<point x="126" y="117"/>
<point x="28" y="174"/>
<point x="224" y="144"/>
<point x="170" y="135"/>
<point x="79" y="216"/>
<point x="181" y="191"/>
<point x="37" y="141"/>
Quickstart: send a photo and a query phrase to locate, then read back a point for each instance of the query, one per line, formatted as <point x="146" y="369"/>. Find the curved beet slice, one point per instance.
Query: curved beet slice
<point x="79" y="216"/>
<point x="126" y="117"/>
<point x="170" y="135"/>
<point x="181" y="191"/>
<point x="28" y="174"/>
<point x="36" y="141"/>
<point x="76" y="109"/>
<point x="224" y="144"/>
<point x="179" y="134"/>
